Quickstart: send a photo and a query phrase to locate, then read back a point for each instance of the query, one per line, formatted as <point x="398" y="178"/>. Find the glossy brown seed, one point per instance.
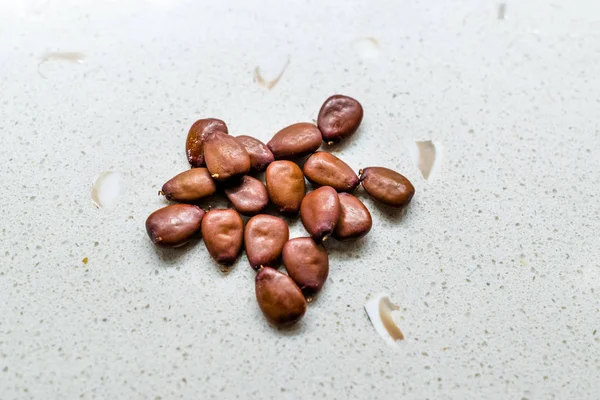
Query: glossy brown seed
<point x="260" y="155"/>
<point x="223" y="234"/>
<point x="339" y="118"/>
<point x="279" y="298"/>
<point x="307" y="263"/>
<point x="286" y="186"/>
<point x="325" y="169"/>
<point x="320" y="212"/>
<point x="295" y="141"/>
<point x="387" y="186"/>
<point x="355" y="219"/>
<point x="225" y="156"/>
<point x="194" y="145"/>
<point x="249" y="196"/>
<point x="189" y="186"/>
<point x="174" y="225"/>
<point x="264" y="238"/>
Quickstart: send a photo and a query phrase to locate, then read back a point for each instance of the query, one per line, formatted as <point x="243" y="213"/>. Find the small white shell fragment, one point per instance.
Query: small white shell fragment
<point x="379" y="309"/>
<point x="108" y="186"/>
<point x="427" y="156"/>
<point x="367" y="48"/>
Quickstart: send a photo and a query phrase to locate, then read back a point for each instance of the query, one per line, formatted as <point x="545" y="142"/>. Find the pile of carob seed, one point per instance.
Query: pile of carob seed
<point x="223" y="162"/>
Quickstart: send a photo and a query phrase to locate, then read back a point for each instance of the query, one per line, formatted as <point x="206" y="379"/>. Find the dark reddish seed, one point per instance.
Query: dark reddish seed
<point x="249" y="196"/>
<point x="325" y="169"/>
<point x="174" y="225"/>
<point x="194" y="145"/>
<point x="286" y="186"/>
<point x="189" y="186"/>
<point x="260" y="155"/>
<point x="223" y="234"/>
<point x="264" y="237"/>
<point x="307" y="263"/>
<point x="339" y="117"/>
<point x="295" y="141"/>
<point x="320" y="212"/>
<point x="387" y="186"/>
<point x="225" y="156"/>
<point x="355" y="219"/>
<point x="279" y="298"/>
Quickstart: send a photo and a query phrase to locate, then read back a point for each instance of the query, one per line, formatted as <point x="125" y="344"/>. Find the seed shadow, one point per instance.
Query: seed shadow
<point x="217" y="200"/>
<point x="272" y="209"/>
<point x="224" y="270"/>
<point x="341" y="145"/>
<point x="291" y="330"/>
<point x="391" y="214"/>
<point x="300" y="161"/>
<point x="345" y="250"/>
<point x="170" y="257"/>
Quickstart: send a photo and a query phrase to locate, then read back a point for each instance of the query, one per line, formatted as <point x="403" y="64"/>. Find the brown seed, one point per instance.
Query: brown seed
<point x="223" y="233"/>
<point x="260" y="155"/>
<point x="194" y="145"/>
<point x="387" y="186"/>
<point x="264" y="238"/>
<point x="307" y="263"/>
<point x="249" y="196"/>
<point x="355" y="219"/>
<point x="320" y="212"/>
<point x="279" y="298"/>
<point x="174" y="226"/>
<point x="325" y="169"/>
<point x="225" y="156"/>
<point x="189" y="186"/>
<point x="296" y="141"/>
<point x="339" y="118"/>
<point x="286" y="187"/>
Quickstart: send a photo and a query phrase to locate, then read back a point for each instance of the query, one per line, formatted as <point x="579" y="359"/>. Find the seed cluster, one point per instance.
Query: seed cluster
<point x="224" y="162"/>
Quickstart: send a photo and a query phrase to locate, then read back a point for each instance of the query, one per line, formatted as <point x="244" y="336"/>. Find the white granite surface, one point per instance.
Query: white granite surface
<point x="495" y="263"/>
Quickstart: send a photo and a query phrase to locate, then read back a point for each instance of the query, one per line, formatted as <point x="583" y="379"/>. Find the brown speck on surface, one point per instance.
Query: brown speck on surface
<point x="427" y="154"/>
<point x="69" y="56"/>
<point x="502" y="11"/>
<point x="225" y="269"/>
<point x="269" y="84"/>
<point x="85" y="260"/>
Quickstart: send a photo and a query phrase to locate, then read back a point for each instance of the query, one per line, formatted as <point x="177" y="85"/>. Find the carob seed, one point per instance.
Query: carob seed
<point x="249" y="196"/>
<point x="295" y="141"/>
<point x="189" y="186"/>
<point x="355" y="219"/>
<point x="223" y="234"/>
<point x="279" y="298"/>
<point x="225" y="156"/>
<point x="339" y="117"/>
<point x="260" y="155"/>
<point x="174" y="225"/>
<point x="387" y="186"/>
<point x="194" y="145"/>
<point x="285" y="185"/>
<point x="325" y="169"/>
<point x="320" y="212"/>
<point x="307" y="263"/>
<point x="264" y="237"/>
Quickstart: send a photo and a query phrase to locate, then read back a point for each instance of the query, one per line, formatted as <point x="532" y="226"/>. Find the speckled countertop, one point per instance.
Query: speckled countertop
<point x="495" y="263"/>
